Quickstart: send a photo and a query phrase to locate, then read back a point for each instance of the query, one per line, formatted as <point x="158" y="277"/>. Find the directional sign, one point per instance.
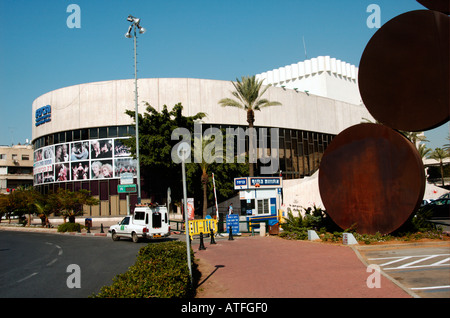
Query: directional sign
<point x="126" y="188"/>
<point x="233" y="222"/>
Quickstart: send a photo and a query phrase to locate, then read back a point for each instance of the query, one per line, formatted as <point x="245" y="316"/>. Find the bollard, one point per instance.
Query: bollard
<point x="212" y="237"/>
<point x="230" y="236"/>
<point x="202" y="246"/>
<point x="101" y="228"/>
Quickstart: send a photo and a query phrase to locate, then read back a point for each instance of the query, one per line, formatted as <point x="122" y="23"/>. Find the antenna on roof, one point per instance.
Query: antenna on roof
<point x="304" y="46"/>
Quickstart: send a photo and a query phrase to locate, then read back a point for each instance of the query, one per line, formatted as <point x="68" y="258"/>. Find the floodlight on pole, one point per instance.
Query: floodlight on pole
<point x="135" y="25"/>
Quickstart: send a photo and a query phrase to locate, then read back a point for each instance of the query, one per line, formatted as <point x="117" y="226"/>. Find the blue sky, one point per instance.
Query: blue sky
<point x="191" y="38"/>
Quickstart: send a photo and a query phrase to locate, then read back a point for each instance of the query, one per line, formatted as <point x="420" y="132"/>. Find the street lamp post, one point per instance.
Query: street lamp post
<point x="135" y="25"/>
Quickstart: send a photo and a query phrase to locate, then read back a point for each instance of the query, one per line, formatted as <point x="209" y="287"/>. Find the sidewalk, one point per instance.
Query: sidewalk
<point x="271" y="267"/>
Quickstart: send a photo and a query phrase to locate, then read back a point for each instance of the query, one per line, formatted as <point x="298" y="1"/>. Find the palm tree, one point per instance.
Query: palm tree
<point x="204" y="160"/>
<point x="439" y="155"/>
<point x="423" y="150"/>
<point x="248" y="92"/>
<point x="447" y="146"/>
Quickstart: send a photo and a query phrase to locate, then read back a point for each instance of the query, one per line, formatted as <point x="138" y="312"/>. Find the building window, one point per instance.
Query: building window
<point x="123" y="131"/>
<point x="102" y="132"/>
<point x="2" y="156"/>
<point x="93" y="133"/>
<point x="25" y="157"/>
<point x="263" y="206"/>
<point x="112" y="131"/>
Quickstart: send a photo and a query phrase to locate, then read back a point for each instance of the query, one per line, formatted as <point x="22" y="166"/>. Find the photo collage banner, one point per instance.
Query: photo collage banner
<point x="83" y="160"/>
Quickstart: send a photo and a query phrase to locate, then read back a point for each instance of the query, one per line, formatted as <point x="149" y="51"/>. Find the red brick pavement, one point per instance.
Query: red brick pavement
<point x="271" y="267"/>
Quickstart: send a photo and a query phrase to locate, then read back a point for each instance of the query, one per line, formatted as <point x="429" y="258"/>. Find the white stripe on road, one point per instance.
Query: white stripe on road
<point x="25" y="278"/>
<point x="432" y="287"/>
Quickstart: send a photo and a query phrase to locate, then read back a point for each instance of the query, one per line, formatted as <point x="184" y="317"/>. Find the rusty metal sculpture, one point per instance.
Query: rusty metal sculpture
<point x="404" y="71"/>
<point x="370" y="175"/>
<point x="436" y="5"/>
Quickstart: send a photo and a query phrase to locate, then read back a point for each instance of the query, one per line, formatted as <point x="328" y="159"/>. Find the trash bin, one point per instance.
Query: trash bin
<point x="88" y="222"/>
<point x="274" y="227"/>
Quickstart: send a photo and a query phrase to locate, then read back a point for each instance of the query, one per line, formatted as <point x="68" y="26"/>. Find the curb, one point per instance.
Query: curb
<point x="48" y="231"/>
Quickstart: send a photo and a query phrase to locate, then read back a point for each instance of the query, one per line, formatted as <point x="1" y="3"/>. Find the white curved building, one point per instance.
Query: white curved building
<point x="77" y="128"/>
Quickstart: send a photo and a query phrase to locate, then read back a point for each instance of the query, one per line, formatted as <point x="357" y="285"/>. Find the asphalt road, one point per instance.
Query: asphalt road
<point x="423" y="269"/>
<point x="41" y="265"/>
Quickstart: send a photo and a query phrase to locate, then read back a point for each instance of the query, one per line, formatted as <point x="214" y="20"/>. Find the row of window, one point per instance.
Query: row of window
<point x="300" y="152"/>
<point x="14" y="157"/>
<point x="84" y="134"/>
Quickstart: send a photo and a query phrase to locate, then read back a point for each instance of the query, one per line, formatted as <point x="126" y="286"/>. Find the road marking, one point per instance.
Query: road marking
<point x="53" y="261"/>
<point x="397" y="260"/>
<point x="25" y="278"/>
<point x="60" y="251"/>
<point x="432" y="287"/>
<point x="421" y="259"/>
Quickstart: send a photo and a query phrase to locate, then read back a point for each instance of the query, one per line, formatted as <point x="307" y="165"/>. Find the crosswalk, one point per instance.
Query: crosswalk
<point x="413" y="261"/>
<point x="402" y="264"/>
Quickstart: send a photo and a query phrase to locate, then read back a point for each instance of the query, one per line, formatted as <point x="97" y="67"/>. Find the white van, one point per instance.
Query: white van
<point x="147" y="222"/>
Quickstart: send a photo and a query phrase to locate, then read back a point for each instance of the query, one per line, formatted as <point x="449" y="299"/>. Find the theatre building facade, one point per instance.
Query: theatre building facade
<point x="78" y="131"/>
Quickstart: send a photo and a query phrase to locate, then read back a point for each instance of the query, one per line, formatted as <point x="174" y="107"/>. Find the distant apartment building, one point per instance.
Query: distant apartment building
<point x="16" y="167"/>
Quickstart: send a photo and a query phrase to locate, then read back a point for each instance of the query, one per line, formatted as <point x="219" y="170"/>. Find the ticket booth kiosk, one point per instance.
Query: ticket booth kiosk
<point x="261" y="199"/>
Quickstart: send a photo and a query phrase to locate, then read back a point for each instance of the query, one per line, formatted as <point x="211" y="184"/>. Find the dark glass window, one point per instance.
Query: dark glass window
<point x="112" y="131"/>
<point x="102" y="132"/>
<point x="93" y="133"/>
<point x="84" y="134"/>
<point x="123" y="131"/>
<point x="68" y="136"/>
<point x="76" y="135"/>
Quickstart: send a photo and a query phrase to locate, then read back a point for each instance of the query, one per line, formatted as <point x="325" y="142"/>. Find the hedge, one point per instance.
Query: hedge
<point x="160" y="271"/>
<point x="69" y="227"/>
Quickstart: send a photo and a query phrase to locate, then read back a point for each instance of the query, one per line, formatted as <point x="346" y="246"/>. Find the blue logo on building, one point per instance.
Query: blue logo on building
<point x="43" y="115"/>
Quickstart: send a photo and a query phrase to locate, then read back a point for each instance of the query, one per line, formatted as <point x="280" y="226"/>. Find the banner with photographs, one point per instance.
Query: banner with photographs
<point x="83" y="160"/>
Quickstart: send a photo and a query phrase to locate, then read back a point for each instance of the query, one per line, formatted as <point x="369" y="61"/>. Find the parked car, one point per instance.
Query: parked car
<point x="437" y="209"/>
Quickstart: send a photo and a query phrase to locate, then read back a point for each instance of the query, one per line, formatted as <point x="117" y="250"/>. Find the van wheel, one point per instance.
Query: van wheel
<point x="134" y="237"/>
<point x="114" y="236"/>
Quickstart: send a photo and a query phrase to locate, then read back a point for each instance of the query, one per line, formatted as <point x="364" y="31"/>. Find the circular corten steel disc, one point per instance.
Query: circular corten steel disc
<point x="404" y="71"/>
<point x="436" y="5"/>
<point x="372" y="176"/>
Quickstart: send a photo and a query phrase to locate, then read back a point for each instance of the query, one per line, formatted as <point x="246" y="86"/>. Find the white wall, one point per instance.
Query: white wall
<point x="104" y="104"/>
<point x="323" y="76"/>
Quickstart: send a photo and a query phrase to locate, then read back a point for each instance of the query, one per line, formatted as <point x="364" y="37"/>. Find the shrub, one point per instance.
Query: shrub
<point x="160" y="271"/>
<point x="69" y="227"/>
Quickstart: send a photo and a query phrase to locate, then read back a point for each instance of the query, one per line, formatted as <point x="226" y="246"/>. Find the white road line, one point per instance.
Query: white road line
<point x="432" y="287"/>
<point x="53" y="261"/>
<point x="418" y="261"/>
<point x="397" y="260"/>
<point x="60" y="251"/>
<point x="441" y="262"/>
<point x="25" y="278"/>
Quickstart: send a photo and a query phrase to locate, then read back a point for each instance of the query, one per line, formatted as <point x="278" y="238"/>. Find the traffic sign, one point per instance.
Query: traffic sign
<point x="126" y="188"/>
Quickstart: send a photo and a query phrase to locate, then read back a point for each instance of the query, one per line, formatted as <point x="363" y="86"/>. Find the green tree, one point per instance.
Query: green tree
<point x="423" y="150"/>
<point x="155" y="147"/>
<point x="70" y="204"/>
<point x="248" y="92"/>
<point x="6" y="206"/>
<point x="439" y="155"/>
<point x="447" y="146"/>
<point x="23" y="202"/>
